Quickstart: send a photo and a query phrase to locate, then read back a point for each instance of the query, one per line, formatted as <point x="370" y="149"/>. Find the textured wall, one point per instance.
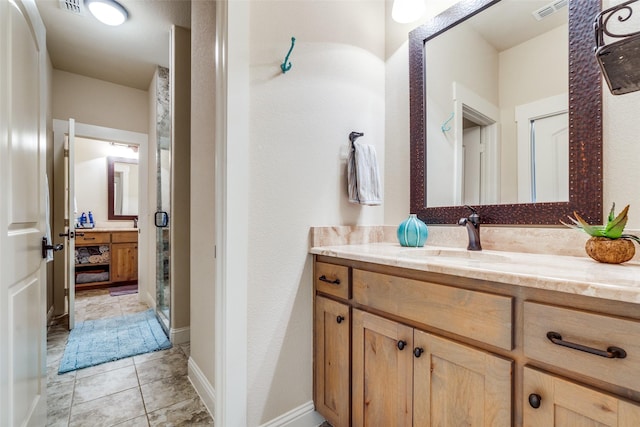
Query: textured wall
<point x="299" y="127"/>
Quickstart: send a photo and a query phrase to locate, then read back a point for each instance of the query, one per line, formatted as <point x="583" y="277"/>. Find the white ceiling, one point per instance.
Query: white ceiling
<point x="126" y="55"/>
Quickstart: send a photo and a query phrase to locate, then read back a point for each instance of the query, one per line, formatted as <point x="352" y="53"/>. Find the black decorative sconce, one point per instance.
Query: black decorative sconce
<point x="620" y="59"/>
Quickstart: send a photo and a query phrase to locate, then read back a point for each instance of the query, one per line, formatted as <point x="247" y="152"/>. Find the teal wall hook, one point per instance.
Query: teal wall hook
<point x="286" y="65"/>
<point x="445" y="126"/>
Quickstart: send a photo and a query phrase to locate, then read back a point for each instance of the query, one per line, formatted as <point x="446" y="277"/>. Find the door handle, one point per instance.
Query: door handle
<point x="70" y="234"/>
<point x="46" y="247"/>
<point x="161" y="219"/>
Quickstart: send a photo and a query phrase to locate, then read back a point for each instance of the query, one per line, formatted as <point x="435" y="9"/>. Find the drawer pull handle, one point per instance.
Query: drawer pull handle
<point x="89" y="238"/>
<point x="401" y="344"/>
<point x="610" y="353"/>
<point x="417" y="352"/>
<point x="323" y="278"/>
<point x="339" y="319"/>
<point x="535" y="400"/>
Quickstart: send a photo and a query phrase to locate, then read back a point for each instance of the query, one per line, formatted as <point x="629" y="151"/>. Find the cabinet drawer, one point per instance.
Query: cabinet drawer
<point x="476" y="315"/>
<point x="92" y="237"/>
<point x="332" y="279"/>
<point x="124" y="237"/>
<point x="596" y="331"/>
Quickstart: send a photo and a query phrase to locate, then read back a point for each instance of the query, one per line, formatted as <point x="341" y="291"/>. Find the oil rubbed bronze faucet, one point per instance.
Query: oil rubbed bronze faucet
<point x="472" y="222"/>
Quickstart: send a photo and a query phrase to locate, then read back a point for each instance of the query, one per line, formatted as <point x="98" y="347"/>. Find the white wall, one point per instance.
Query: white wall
<point x="203" y="161"/>
<point x="299" y="127"/>
<point x="99" y="103"/>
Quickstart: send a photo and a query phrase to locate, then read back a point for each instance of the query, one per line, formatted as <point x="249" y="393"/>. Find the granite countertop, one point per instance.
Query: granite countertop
<point x="570" y="274"/>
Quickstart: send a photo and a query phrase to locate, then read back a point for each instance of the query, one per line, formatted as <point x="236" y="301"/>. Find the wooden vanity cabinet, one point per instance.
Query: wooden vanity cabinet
<point x="425" y="349"/>
<point x="124" y="257"/>
<point x="400" y="374"/>
<point x="104" y="258"/>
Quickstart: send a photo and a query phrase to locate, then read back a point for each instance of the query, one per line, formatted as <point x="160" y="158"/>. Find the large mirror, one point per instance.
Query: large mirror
<point x="506" y="113"/>
<point x="122" y="181"/>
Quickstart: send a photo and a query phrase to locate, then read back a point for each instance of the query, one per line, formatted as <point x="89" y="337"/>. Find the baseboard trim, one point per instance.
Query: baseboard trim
<point x="180" y="335"/>
<point x="202" y="386"/>
<point x="302" y="416"/>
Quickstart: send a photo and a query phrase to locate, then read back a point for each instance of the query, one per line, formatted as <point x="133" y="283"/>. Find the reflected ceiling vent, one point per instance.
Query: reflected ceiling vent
<point x="73" y="6"/>
<point x="549" y="9"/>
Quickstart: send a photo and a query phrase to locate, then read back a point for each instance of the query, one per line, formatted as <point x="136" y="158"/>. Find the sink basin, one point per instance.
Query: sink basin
<point x="461" y="254"/>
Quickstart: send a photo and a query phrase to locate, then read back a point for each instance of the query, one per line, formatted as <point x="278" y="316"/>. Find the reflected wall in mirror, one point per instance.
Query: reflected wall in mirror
<point x="122" y="181"/>
<point x="492" y="124"/>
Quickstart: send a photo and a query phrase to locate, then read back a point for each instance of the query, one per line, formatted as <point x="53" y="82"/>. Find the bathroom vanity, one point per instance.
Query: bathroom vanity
<point x="106" y="257"/>
<point x="443" y="336"/>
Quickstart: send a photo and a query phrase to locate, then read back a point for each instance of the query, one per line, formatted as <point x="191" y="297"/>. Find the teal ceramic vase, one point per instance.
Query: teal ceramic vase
<point x="412" y="232"/>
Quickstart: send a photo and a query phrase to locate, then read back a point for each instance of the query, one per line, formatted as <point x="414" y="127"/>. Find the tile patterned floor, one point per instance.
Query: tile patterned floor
<point x="147" y="390"/>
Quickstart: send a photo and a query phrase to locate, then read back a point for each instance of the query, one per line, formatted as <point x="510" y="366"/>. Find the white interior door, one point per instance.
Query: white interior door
<point x="22" y="215"/>
<point x="472" y="169"/>
<point x="69" y="219"/>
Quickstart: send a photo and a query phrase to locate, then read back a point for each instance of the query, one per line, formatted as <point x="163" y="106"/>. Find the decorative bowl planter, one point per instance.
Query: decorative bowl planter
<point x="610" y="251"/>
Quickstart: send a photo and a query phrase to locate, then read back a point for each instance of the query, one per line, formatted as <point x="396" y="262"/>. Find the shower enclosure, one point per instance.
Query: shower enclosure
<point x="163" y="212"/>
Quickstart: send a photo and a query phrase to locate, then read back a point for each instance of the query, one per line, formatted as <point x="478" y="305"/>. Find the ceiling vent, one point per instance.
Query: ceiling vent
<point x="547" y="10"/>
<point x="73" y="6"/>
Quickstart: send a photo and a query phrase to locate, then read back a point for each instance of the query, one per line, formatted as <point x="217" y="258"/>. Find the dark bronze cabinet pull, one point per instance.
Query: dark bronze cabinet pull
<point x="401" y="344"/>
<point x="340" y="319"/>
<point x="323" y="278"/>
<point x="535" y="400"/>
<point x="417" y="352"/>
<point x="610" y="353"/>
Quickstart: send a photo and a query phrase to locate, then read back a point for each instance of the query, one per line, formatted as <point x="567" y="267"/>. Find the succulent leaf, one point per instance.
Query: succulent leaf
<point x="612" y="212"/>
<point x="615" y="227"/>
<point x="591" y="230"/>
<point x="631" y="237"/>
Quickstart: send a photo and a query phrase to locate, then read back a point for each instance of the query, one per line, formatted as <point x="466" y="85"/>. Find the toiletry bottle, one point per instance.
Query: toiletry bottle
<point x="91" y="224"/>
<point x="83" y="219"/>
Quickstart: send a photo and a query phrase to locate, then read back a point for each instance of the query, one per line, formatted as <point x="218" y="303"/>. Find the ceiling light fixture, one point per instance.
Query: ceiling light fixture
<point x="405" y="11"/>
<point x="108" y="12"/>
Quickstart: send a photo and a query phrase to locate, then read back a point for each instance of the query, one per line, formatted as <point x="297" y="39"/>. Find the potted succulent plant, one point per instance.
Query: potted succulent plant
<point x="608" y="243"/>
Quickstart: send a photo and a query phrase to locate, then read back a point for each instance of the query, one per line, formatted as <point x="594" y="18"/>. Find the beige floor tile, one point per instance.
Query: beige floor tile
<point x="109" y="410"/>
<point x="142" y="358"/>
<point x="58" y="417"/>
<point x="186" y="413"/>
<point x="104" y="367"/>
<point x="167" y="366"/>
<point x="136" y="422"/>
<point x="166" y="392"/>
<point x="106" y="383"/>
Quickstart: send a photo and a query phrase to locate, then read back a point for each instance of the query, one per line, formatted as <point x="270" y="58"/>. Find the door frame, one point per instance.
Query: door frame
<point x="60" y="128"/>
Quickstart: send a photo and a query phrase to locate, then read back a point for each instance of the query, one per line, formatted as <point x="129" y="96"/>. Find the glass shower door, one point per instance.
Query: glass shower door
<point x="163" y="214"/>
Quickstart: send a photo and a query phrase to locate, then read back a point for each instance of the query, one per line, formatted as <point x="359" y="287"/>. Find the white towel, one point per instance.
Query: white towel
<point x="363" y="178"/>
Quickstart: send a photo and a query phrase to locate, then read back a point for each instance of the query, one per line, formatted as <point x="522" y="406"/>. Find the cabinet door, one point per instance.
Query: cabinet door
<point x="331" y="359"/>
<point x="564" y="403"/>
<point x="124" y="262"/>
<point x="382" y="371"/>
<point x="457" y="385"/>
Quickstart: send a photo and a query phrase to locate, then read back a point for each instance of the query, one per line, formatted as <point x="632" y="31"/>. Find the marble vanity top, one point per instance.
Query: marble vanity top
<point x="571" y="274"/>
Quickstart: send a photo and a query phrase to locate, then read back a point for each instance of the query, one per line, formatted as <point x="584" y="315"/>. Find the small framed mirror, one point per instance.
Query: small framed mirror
<point x="122" y="182"/>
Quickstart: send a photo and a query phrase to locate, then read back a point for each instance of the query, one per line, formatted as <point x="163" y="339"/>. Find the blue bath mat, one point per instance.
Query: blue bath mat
<point x="104" y="340"/>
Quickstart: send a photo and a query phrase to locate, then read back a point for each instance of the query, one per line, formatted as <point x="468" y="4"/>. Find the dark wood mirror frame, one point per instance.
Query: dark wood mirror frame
<point x="110" y="192"/>
<point x="585" y="125"/>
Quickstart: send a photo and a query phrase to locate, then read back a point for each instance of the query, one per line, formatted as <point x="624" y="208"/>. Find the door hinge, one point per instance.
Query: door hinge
<point x="66" y="292"/>
<point x="66" y="152"/>
<point x="66" y="222"/>
<point x="215" y="251"/>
